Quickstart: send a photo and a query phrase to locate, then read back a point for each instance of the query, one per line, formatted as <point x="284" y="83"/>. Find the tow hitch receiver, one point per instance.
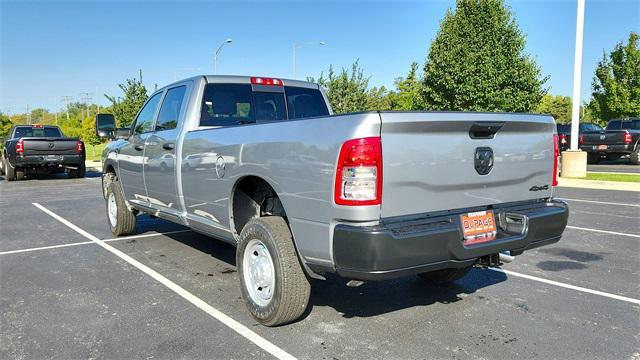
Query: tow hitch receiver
<point x="489" y="260"/>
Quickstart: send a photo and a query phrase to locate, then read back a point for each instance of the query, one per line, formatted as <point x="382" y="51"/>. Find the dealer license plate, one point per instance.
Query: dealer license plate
<point x="53" y="157"/>
<point x="479" y="226"/>
<point x="602" y="147"/>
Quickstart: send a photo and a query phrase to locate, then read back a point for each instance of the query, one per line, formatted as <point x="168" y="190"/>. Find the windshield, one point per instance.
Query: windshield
<point x="24" y="131"/>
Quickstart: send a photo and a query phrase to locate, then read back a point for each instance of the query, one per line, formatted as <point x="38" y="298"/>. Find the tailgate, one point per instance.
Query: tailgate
<point x="609" y="137"/>
<point x="49" y="146"/>
<point x="429" y="160"/>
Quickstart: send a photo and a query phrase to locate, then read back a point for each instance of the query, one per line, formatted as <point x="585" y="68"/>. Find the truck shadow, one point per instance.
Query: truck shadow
<point x="372" y="298"/>
<point x="57" y="176"/>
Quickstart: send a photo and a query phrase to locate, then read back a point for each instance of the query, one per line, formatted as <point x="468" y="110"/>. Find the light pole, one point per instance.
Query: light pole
<point x="215" y="57"/>
<point x="295" y="46"/>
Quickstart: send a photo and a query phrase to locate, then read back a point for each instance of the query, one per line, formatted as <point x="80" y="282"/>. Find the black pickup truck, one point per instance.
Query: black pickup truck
<point x="41" y="149"/>
<point x="619" y="139"/>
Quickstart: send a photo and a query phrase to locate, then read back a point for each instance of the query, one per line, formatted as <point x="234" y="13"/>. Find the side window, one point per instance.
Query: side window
<point x="170" y="110"/>
<point x="226" y="105"/>
<point x="144" y="121"/>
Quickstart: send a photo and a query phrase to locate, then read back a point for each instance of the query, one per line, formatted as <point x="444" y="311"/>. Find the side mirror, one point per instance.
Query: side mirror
<point x="105" y="125"/>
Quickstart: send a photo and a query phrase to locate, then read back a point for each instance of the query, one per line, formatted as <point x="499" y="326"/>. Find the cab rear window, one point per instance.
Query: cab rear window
<point x="237" y="104"/>
<point x="21" y="132"/>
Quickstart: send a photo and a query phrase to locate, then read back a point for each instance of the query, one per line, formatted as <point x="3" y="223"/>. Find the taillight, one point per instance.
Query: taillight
<point x="563" y="138"/>
<point x="20" y="147"/>
<point x="79" y="147"/>
<point x="266" y="81"/>
<point x="359" y="172"/>
<point x="627" y="138"/>
<point x="581" y="139"/>
<point x="556" y="156"/>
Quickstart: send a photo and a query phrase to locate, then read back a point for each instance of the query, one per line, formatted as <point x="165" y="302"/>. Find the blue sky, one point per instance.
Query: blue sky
<point x="50" y="49"/>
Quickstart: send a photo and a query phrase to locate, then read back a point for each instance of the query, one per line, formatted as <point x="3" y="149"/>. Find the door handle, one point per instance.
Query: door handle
<point x="168" y="146"/>
<point x="138" y="147"/>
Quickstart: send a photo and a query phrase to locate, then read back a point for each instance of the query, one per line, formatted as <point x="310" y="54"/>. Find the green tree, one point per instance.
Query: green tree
<point x="379" y="99"/>
<point x="477" y="62"/>
<point x="408" y="91"/>
<point x="557" y="106"/>
<point x="89" y="133"/>
<point x="616" y="84"/>
<point x="5" y="125"/>
<point x="125" y="109"/>
<point x="347" y="92"/>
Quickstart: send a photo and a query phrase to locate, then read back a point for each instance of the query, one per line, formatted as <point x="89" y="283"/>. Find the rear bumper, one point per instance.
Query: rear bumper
<point x="432" y="243"/>
<point x="611" y="149"/>
<point x="45" y="161"/>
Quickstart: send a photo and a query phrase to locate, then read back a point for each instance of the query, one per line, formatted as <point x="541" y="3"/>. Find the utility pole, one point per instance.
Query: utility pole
<point x="67" y="100"/>
<point x="28" y="115"/>
<point x="86" y="98"/>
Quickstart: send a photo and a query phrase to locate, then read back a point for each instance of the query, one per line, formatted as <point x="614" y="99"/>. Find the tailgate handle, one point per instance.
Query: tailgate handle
<point x="484" y="130"/>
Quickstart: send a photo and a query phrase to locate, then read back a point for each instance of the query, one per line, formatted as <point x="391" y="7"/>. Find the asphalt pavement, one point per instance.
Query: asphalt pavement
<point x="620" y="166"/>
<point x="66" y="294"/>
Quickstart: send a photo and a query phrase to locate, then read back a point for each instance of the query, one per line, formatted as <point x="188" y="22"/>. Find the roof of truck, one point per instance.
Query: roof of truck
<point x="238" y="79"/>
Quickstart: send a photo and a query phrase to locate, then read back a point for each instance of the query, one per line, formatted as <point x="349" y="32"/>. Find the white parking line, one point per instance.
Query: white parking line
<point x="603" y="231"/>
<point x="568" y="286"/>
<point x="89" y="242"/>
<point x="600" y="202"/>
<point x="213" y="312"/>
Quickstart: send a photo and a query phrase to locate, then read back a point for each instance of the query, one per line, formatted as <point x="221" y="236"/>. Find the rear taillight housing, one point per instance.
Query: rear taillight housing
<point x="79" y="147"/>
<point x="20" y="147"/>
<point x="556" y="157"/>
<point x="581" y="139"/>
<point x="627" y="138"/>
<point x="563" y="138"/>
<point x="359" y="173"/>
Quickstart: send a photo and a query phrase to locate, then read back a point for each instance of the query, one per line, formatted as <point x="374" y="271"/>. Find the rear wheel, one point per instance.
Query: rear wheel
<point x="274" y="286"/>
<point x="77" y="173"/>
<point x="445" y="276"/>
<point x="593" y="158"/>
<point x="10" y="174"/>
<point x="121" y="220"/>
<point x="634" y="157"/>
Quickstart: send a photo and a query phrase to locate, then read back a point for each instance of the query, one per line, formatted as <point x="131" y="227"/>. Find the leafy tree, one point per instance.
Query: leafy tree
<point x="616" y="84"/>
<point x="347" y="92"/>
<point x="5" y="125"/>
<point x="408" y="91"/>
<point x="125" y="109"/>
<point x="477" y="62"/>
<point x="557" y="106"/>
<point x="379" y="99"/>
<point x="89" y="133"/>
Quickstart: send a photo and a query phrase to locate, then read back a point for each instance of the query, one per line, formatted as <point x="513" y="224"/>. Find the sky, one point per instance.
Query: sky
<point x="51" y="49"/>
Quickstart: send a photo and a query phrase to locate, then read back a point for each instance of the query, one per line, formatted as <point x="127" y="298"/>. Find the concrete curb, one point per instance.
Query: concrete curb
<point x="598" y="184"/>
<point x="93" y="165"/>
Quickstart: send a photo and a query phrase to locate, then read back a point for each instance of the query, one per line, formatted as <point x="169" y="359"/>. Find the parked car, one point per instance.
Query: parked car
<point x="32" y="149"/>
<point x="564" y="133"/>
<point x="620" y="139"/>
<point x="302" y="193"/>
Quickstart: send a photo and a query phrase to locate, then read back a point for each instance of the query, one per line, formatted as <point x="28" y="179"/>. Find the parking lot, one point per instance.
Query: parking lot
<point x="69" y="290"/>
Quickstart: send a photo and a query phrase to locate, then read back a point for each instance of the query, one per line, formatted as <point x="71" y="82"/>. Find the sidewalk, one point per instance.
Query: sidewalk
<point x="93" y="165"/>
<point x="598" y="184"/>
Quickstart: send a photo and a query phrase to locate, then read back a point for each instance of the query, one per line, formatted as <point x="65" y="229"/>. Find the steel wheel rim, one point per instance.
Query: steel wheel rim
<point x="258" y="272"/>
<point x="112" y="210"/>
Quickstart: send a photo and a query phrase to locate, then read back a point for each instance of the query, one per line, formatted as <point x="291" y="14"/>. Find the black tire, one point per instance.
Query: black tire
<point x="125" y="220"/>
<point x="445" y="276"/>
<point x="19" y="174"/>
<point x="10" y="173"/>
<point x="593" y="158"/>
<point x="77" y="173"/>
<point x="634" y="157"/>
<point x="2" y="167"/>
<point x="292" y="289"/>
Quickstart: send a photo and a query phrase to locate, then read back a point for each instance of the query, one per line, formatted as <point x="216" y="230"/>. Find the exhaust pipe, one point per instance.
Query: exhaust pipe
<point x="506" y="257"/>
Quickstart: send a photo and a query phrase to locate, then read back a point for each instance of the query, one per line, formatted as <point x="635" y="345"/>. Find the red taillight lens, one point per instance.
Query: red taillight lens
<point x="266" y="81"/>
<point x="79" y="147"/>
<point x="563" y="138"/>
<point x="627" y="138"/>
<point x="581" y="139"/>
<point x="556" y="156"/>
<point x="20" y="147"/>
<point x="359" y="173"/>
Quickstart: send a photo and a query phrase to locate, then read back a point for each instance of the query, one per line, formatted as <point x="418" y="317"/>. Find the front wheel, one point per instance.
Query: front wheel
<point x="274" y="286"/>
<point x="121" y="220"/>
<point x="634" y="157"/>
<point x="445" y="276"/>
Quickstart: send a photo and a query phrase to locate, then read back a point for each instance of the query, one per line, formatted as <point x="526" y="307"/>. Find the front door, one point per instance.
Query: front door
<point x="131" y="156"/>
<point x="160" y="153"/>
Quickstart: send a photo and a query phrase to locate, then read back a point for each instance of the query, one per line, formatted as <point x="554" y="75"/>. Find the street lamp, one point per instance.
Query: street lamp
<point x="295" y="46"/>
<point x="215" y="57"/>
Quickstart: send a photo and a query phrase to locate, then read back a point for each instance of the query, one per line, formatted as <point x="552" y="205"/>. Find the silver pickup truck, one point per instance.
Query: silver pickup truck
<point x="262" y="164"/>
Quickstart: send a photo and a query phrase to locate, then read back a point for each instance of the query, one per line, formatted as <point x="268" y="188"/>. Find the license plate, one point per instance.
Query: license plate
<point x="602" y="147"/>
<point x="477" y="227"/>
<point x="53" y="157"/>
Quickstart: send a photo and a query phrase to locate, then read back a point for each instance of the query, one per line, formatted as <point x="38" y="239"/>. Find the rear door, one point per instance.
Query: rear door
<point x="443" y="161"/>
<point x="160" y="152"/>
<point x="131" y="156"/>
